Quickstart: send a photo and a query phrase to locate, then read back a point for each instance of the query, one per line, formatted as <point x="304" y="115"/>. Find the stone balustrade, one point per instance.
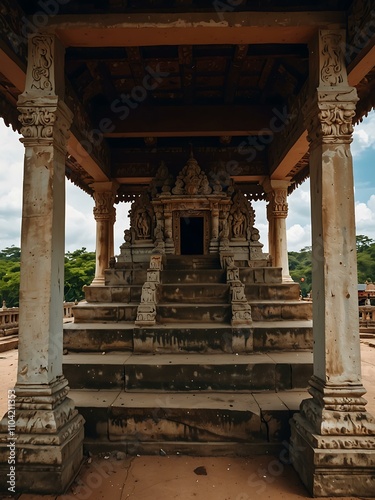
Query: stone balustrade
<point x="8" y="321"/>
<point x="9" y="318"/>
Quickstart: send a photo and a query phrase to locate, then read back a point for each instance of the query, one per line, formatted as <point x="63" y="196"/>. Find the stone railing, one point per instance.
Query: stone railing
<point x="8" y="321"/>
<point x="367" y="317"/>
<point x="9" y="318"/>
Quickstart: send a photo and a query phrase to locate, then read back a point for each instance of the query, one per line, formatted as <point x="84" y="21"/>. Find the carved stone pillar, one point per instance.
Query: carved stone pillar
<point x="277" y="212"/>
<point x="48" y="430"/>
<point x="333" y="444"/>
<point x="111" y="235"/>
<point x="104" y="195"/>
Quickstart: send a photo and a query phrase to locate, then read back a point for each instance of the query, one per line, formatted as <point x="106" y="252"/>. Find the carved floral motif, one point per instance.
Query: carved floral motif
<point x="41" y="51"/>
<point x="104" y="201"/>
<point x="333" y="68"/>
<point x="279" y="202"/>
<point x="331" y="122"/>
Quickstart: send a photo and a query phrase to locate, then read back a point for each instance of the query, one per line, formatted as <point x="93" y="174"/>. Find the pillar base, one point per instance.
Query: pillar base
<point x="47" y="440"/>
<point x="100" y="281"/>
<point x="332" y="465"/>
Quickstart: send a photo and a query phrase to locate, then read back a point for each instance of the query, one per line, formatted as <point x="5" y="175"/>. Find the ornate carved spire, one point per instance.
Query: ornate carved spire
<point x="192" y="180"/>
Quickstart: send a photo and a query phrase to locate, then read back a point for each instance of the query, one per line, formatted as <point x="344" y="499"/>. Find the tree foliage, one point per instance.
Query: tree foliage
<point x="300" y="264"/>
<point x="79" y="271"/>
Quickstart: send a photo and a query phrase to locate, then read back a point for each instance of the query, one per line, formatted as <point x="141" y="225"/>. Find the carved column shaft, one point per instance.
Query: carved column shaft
<point x="104" y="196"/>
<point x="277" y="212"/>
<point x="331" y="437"/>
<point x="47" y="424"/>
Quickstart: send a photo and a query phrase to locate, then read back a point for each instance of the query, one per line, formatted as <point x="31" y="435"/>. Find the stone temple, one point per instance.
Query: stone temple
<point x="191" y="338"/>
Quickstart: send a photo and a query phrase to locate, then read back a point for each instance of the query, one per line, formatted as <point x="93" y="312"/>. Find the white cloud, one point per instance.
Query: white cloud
<point x="365" y="217"/>
<point x="364" y="135"/>
<point x="298" y="237"/>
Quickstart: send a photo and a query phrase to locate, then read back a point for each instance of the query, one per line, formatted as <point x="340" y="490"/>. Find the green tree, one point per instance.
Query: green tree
<point x="79" y="271"/>
<point x="363" y="243"/>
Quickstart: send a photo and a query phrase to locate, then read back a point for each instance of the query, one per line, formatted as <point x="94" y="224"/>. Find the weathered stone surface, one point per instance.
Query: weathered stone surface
<point x="260" y="275"/>
<point x="276" y="291"/>
<point x="93" y="337"/>
<point x="280" y="310"/>
<point x="193" y="313"/>
<point x="89" y="313"/>
<point x="195" y="293"/>
<point x="92" y="371"/>
<point x="282" y="335"/>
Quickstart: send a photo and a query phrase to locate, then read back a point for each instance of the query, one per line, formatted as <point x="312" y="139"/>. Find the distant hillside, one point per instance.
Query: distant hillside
<point x="300" y="263"/>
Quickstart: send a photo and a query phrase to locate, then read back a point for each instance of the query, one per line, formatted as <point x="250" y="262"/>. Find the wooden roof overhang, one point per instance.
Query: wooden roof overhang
<point x="150" y="80"/>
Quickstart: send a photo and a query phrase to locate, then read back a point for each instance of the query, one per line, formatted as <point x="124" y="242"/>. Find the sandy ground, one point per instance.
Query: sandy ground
<point x="116" y="477"/>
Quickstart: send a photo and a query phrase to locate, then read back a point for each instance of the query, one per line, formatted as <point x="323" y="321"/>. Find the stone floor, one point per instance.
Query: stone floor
<point x="116" y="477"/>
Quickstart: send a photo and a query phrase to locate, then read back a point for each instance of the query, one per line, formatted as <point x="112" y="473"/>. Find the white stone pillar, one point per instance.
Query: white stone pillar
<point x="104" y="195"/>
<point x="48" y="430"/>
<point x="333" y="447"/>
<point x="277" y="212"/>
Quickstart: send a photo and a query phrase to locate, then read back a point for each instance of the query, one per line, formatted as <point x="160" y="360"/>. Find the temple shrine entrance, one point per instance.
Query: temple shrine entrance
<point x="191" y="230"/>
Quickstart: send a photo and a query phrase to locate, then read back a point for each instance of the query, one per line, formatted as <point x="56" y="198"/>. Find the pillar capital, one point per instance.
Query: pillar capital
<point x="44" y="116"/>
<point x="330" y="107"/>
<point x="277" y="196"/>
<point x="104" y="196"/>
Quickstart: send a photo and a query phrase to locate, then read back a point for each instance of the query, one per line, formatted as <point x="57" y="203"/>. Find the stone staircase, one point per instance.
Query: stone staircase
<point x="191" y="383"/>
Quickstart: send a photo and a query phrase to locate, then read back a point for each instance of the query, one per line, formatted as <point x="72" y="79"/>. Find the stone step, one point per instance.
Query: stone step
<point x="184" y="338"/>
<point x="190" y="423"/>
<point x="192" y="262"/>
<point x="195" y="293"/>
<point x="277" y="310"/>
<point x="98" y="337"/>
<point x="8" y="343"/>
<point x="275" y="291"/>
<point x="190" y="372"/>
<point x="191" y="276"/>
<point x="194" y="313"/>
<point x="125" y="293"/>
<point x="121" y="277"/>
<point x="213" y="338"/>
<point x="268" y="275"/>
<point x="86" y="312"/>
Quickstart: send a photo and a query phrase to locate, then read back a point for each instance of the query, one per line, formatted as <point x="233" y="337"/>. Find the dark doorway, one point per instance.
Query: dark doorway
<point x="191" y="235"/>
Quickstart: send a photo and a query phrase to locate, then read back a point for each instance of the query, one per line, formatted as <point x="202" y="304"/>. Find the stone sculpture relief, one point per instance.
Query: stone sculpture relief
<point x="142" y="217"/>
<point x="192" y="180"/>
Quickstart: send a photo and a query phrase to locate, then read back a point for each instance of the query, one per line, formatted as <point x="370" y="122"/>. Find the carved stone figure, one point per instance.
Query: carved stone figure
<point x="143" y="224"/>
<point x="238" y="223"/>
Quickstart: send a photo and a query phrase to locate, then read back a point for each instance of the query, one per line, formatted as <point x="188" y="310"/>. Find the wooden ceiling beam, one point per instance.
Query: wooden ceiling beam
<point x="101" y="74"/>
<point x="187" y="66"/>
<point x="180" y="121"/>
<point x="194" y="28"/>
<point x="136" y="63"/>
<point x="235" y="72"/>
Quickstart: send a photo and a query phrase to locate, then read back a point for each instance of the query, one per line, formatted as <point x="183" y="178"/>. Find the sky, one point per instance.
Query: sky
<point x="80" y="224"/>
